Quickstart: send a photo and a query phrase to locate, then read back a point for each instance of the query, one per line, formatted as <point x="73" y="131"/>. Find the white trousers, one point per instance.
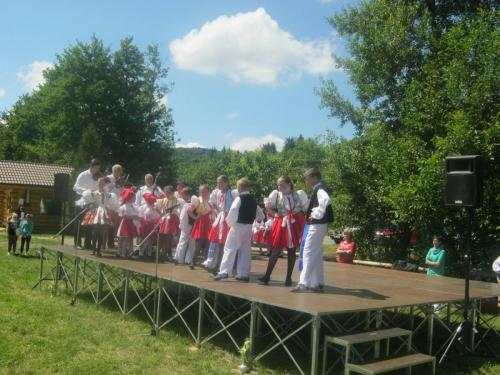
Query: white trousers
<point x="125" y="246"/>
<point x="312" y="274"/>
<point x="184" y="251"/>
<point x="238" y="242"/>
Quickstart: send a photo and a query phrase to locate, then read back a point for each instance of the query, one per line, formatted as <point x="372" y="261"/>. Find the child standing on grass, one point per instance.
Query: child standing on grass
<point x="26" y="231"/>
<point x="12" y="234"/>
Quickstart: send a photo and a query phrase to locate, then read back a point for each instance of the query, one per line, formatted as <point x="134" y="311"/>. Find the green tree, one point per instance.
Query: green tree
<point x="95" y="103"/>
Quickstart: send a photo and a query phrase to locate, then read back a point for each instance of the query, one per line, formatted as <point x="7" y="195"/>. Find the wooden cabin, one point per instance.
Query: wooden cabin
<point x="32" y="185"/>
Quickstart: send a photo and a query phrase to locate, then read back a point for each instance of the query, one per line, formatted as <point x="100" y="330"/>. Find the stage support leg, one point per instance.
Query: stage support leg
<point x="75" y="283"/>
<point x="99" y="283"/>
<point x="315" y="328"/>
<point x="58" y="273"/>
<point x="42" y="256"/>
<point x="367" y="323"/>
<point x="430" y="328"/>
<point x="200" y="316"/>
<point x="125" y="292"/>
<point x="158" y="307"/>
<point x="412" y="318"/>
<point x="378" y="325"/>
<point x="253" y="326"/>
<point x="473" y="304"/>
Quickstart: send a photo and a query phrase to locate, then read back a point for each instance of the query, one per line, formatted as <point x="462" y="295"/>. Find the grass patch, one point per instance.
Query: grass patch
<point x="41" y="334"/>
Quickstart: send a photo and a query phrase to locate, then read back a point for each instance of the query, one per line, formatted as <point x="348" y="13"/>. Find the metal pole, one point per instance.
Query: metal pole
<point x="253" y="320"/>
<point x="125" y="292"/>
<point x="158" y="307"/>
<point x="99" y="282"/>
<point x="58" y="271"/>
<point x="42" y="256"/>
<point x="315" y="328"/>
<point x="75" y="283"/>
<point x="430" y="328"/>
<point x="200" y="316"/>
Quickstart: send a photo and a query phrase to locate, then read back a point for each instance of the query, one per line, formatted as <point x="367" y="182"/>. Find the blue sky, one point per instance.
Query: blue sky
<point x="244" y="72"/>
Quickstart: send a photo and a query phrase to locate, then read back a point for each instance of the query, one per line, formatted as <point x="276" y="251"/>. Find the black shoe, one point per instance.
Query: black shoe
<point x="242" y="279"/>
<point x="288" y="282"/>
<point x="191" y="266"/>
<point x="220" y="276"/>
<point x="263" y="280"/>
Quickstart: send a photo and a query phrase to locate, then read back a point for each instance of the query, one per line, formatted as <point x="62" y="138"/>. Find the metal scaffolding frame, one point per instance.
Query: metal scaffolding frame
<point x="206" y="314"/>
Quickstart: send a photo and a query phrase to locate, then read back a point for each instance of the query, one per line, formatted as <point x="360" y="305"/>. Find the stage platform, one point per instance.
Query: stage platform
<point x="351" y="291"/>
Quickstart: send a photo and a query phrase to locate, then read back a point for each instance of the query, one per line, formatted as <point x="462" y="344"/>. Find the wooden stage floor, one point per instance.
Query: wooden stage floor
<point x="350" y="288"/>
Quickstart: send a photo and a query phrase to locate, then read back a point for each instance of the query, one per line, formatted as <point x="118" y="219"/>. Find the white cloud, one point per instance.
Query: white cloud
<point x="253" y="143"/>
<point x="189" y="145"/>
<point x="233" y="115"/>
<point x="326" y="1"/>
<point x="250" y="47"/>
<point x="32" y="75"/>
<point x="164" y="100"/>
<point x="2" y="92"/>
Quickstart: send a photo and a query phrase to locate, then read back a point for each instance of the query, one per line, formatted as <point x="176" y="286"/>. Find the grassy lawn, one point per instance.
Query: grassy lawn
<point x="40" y="334"/>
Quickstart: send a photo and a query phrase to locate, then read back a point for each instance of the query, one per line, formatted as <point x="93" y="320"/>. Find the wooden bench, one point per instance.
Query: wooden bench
<point x="380" y="367"/>
<point x="348" y="341"/>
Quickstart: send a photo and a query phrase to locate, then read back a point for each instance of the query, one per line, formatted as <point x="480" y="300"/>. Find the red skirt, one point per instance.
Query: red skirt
<point x="146" y="227"/>
<point x="280" y="237"/>
<point x="88" y="218"/>
<point x="262" y="237"/>
<point x="201" y="227"/>
<point x="170" y="226"/>
<point x="127" y="228"/>
<point x="218" y="234"/>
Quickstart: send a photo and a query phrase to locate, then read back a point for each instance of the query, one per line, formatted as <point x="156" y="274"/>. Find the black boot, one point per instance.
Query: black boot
<point x="291" y="264"/>
<point x="270" y="266"/>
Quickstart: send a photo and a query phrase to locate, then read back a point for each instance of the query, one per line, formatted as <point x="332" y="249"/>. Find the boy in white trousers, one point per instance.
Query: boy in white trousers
<point x="185" y="247"/>
<point x="240" y="218"/>
<point x="319" y="214"/>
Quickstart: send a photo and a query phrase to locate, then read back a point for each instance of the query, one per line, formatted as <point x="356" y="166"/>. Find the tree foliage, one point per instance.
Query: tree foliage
<point x="426" y="78"/>
<point x="95" y="103"/>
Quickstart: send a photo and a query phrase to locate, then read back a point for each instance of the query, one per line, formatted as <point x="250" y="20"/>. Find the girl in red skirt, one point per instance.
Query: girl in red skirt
<point x="201" y="211"/>
<point x="288" y="207"/>
<point x="169" y="225"/>
<point x="221" y="200"/>
<point x="150" y="215"/>
<point x="127" y="229"/>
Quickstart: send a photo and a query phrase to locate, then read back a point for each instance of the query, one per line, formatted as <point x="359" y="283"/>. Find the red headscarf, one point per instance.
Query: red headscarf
<point x="127" y="195"/>
<point x="150" y="198"/>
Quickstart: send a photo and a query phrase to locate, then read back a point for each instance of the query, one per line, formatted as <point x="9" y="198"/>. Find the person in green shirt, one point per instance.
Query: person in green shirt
<point x="26" y="231"/>
<point x="435" y="259"/>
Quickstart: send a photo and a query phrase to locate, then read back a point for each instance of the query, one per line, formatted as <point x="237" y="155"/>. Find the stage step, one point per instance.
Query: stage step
<point x="383" y="366"/>
<point x="359" y="338"/>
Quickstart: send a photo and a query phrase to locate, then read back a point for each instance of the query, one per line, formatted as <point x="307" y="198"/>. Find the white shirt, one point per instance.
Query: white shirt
<point x="139" y="200"/>
<point x="323" y="201"/>
<point x="84" y="181"/>
<point x="232" y="216"/>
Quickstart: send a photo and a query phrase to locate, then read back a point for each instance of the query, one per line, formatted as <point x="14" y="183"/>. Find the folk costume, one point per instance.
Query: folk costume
<point x="145" y="189"/>
<point x="243" y="212"/>
<point x="127" y="229"/>
<point x="169" y="224"/>
<point x="86" y="182"/>
<point x="319" y="214"/>
<point x="150" y="216"/>
<point x="222" y="201"/>
<point x="286" y="229"/>
<point x="202" y="225"/>
<point x="184" y="251"/>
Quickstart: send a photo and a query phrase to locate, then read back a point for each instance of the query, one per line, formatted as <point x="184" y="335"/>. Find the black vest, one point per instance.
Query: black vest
<point x="190" y="219"/>
<point x="328" y="217"/>
<point x="248" y="208"/>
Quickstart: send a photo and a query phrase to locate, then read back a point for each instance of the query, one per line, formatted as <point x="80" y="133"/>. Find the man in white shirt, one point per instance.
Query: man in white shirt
<point x="85" y="182"/>
<point x="149" y="187"/>
<point x="115" y="188"/>
<point x="319" y="214"/>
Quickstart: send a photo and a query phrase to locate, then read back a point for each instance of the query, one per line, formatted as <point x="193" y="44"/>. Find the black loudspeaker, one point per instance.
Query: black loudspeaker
<point x="61" y="189"/>
<point x="463" y="181"/>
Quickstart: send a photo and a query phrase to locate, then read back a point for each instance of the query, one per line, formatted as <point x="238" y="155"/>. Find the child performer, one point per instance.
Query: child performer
<point x="262" y="234"/>
<point x="288" y="208"/>
<point x="12" y="234"/>
<point x="26" y="231"/>
<point x="221" y="199"/>
<point x="200" y="210"/>
<point x="150" y="215"/>
<point x="127" y="229"/>
<point x="319" y="214"/>
<point x="106" y="203"/>
<point x="243" y="212"/>
<point x="169" y="227"/>
<point x="186" y="245"/>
